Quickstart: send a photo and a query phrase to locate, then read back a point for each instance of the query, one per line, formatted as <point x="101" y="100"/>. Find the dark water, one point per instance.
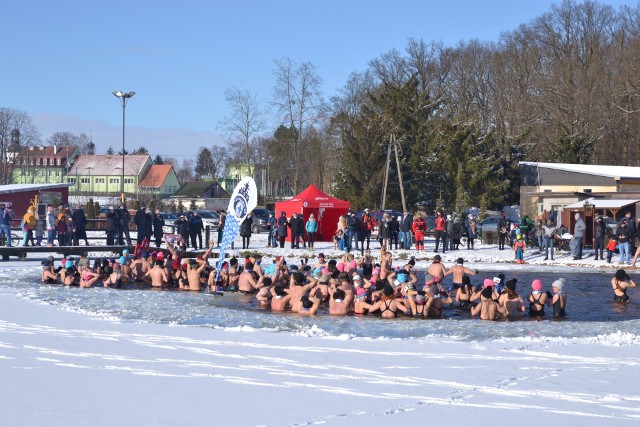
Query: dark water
<point x="591" y="312"/>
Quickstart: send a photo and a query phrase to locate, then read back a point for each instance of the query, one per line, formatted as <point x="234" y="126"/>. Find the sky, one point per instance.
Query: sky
<point x="62" y="60"/>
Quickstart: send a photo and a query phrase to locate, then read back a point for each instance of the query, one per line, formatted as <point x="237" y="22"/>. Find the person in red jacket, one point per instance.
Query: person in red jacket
<point x="441" y="231"/>
<point x="366" y="225"/>
<point x="419" y="228"/>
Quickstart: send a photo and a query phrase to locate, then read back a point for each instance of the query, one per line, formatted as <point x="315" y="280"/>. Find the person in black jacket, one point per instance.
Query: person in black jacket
<point x="140" y="219"/>
<point x="406" y="226"/>
<point x="182" y="228"/>
<point x="599" y="232"/>
<point x="195" y="230"/>
<point x="158" y="227"/>
<point x="148" y="225"/>
<point x="394" y="230"/>
<point x="353" y="227"/>
<point x="282" y="228"/>
<point x="111" y="226"/>
<point x="245" y="231"/>
<point x="503" y="230"/>
<point x="124" y="218"/>
<point x="295" y="224"/>
<point x="81" y="226"/>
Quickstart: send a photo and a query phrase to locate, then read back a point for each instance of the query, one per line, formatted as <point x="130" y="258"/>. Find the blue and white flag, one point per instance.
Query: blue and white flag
<point x="243" y="200"/>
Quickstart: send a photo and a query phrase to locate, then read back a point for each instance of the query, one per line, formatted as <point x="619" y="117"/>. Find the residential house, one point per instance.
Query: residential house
<point x="159" y="182"/>
<point x="101" y="175"/>
<point x="42" y="165"/>
<point x="205" y="194"/>
<point x="268" y="188"/>
<point x="552" y="186"/>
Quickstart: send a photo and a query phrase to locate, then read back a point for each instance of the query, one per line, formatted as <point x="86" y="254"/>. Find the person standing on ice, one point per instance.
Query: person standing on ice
<point x="6" y="215"/>
<point x="419" y="228"/>
<point x="441" y="227"/>
<point x="578" y="234"/>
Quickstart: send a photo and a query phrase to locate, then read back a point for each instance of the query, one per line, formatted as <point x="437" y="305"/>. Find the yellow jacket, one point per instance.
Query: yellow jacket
<point x="30" y="218"/>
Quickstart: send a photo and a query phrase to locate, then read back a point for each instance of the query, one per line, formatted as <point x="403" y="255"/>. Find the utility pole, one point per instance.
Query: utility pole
<point x="395" y="148"/>
<point x="386" y="178"/>
<point x="394" y="143"/>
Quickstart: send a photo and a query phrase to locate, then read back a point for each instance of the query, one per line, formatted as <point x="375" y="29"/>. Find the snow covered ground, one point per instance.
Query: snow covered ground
<point x="61" y="368"/>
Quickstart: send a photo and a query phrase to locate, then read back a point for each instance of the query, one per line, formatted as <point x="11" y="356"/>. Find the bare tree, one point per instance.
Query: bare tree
<point x="298" y="98"/>
<point x="16" y="132"/>
<point x="219" y="158"/>
<point x="245" y="123"/>
<point x="82" y="142"/>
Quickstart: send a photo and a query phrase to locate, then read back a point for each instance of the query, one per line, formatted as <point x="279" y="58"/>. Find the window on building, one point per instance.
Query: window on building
<point x="71" y="181"/>
<point x="114" y="181"/>
<point x="128" y="180"/>
<point x="99" y="180"/>
<point x="84" y="180"/>
<point x="57" y="173"/>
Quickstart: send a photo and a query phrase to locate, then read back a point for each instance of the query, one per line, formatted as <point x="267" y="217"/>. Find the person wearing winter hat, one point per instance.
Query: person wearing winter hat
<point x="464" y="292"/>
<point x="537" y="299"/>
<point x="488" y="309"/>
<point x="510" y="300"/>
<point x="559" y="300"/>
<point x="519" y="246"/>
<point x="49" y="276"/>
<point x="388" y="304"/>
<point x="620" y="282"/>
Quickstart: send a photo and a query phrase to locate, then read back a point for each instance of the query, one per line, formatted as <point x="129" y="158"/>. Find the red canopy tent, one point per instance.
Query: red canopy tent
<point x="325" y="208"/>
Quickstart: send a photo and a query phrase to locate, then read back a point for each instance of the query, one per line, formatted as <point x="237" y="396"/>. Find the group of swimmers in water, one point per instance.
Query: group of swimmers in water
<point x="346" y="286"/>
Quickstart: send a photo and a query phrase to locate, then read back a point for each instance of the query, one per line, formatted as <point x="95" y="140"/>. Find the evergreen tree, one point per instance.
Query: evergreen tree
<point x="110" y="151"/>
<point x="158" y="160"/>
<point x="204" y="163"/>
<point x="192" y="205"/>
<point x="141" y="150"/>
<point x="180" y="206"/>
<point x="96" y="209"/>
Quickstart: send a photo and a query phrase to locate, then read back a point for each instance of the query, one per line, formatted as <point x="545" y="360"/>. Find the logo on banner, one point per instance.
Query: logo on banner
<point x="241" y="201"/>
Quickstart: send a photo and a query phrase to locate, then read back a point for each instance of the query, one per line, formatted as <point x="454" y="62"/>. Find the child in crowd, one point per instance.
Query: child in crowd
<point x="519" y="248"/>
<point x="611" y="249"/>
<point x="338" y="240"/>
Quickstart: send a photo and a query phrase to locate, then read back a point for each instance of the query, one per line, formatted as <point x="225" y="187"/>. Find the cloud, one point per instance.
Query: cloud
<point x="170" y="142"/>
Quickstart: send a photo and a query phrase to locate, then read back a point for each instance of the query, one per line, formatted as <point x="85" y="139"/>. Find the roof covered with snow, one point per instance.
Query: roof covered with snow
<point x="601" y="170"/>
<point x="16" y="188"/>
<point x="603" y="203"/>
<point x="109" y="165"/>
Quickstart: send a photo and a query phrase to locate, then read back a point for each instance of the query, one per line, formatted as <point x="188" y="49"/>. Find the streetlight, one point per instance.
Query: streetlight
<point x="124" y="97"/>
<point x="90" y="183"/>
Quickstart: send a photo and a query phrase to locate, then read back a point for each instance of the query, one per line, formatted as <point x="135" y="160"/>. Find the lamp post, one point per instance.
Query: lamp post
<point x="90" y="183"/>
<point x="124" y="97"/>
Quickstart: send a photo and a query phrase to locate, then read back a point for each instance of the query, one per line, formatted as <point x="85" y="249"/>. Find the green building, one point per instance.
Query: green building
<point x="42" y="165"/>
<point x="101" y="175"/>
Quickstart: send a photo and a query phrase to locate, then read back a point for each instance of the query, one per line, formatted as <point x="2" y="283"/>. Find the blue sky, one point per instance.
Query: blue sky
<point x="62" y="59"/>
